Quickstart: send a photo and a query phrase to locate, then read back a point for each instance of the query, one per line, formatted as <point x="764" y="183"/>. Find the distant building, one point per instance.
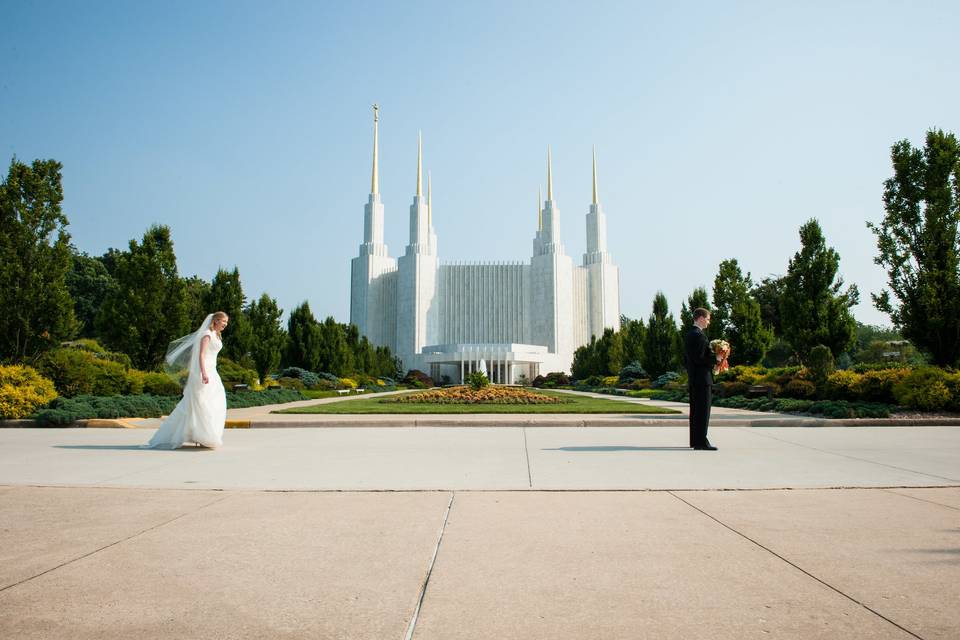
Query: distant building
<point x="520" y="318"/>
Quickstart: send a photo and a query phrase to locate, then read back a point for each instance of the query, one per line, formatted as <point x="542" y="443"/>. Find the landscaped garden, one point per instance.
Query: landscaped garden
<point x="490" y="399"/>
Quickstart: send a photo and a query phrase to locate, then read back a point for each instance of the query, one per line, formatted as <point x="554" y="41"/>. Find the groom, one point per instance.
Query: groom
<point x="699" y="359"/>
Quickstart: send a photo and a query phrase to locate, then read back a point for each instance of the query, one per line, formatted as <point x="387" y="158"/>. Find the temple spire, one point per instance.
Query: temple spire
<point x="549" y="175"/>
<point x="375" y="178"/>
<point x="595" y="199"/>
<point x="419" y="164"/>
<point x="429" y="202"/>
<point x="539" y="208"/>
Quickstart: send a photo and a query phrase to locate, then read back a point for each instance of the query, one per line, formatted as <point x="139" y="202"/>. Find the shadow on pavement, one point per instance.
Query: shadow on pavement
<point x="618" y="448"/>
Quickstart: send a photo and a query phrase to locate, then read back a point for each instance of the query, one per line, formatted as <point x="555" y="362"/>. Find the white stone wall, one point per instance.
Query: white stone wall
<point x="483" y="303"/>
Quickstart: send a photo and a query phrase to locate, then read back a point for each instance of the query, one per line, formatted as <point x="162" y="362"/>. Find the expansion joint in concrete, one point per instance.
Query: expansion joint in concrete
<point x="113" y="544"/>
<point x="426" y="581"/>
<point x="795" y="566"/>
<point x="526" y="452"/>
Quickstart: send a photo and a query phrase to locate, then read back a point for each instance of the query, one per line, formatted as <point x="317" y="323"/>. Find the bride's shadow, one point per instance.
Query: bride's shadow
<point x="125" y="447"/>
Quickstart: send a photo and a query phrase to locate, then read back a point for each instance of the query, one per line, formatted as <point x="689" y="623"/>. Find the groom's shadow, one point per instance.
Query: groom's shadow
<point x="617" y="448"/>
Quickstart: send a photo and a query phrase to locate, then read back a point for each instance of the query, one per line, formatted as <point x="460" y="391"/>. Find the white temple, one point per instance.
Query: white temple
<point x="521" y="318"/>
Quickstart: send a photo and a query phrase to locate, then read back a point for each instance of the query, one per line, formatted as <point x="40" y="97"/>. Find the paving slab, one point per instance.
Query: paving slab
<point x="896" y="555"/>
<point x="619" y="565"/>
<point x="42" y="528"/>
<point x="265" y="565"/>
<point x="509" y="457"/>
<point x="947" y="497"/>
<point x="748" y="458"/>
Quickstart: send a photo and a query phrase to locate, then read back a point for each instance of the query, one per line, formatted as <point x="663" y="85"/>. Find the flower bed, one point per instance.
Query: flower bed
<point x="486" y="395"/>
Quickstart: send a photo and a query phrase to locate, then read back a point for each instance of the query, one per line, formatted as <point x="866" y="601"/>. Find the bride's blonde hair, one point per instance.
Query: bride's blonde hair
<point x="219" y="315"/>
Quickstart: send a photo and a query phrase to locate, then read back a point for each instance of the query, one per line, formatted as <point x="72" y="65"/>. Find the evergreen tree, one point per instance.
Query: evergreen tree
<point x="196" y="293"/>
<point x="147" y="309"/>
<point x="699" y="299"/>
<point x="749" y="338"/>
<point x="729" y="287"/>
<point x="88" y="282"/>
<point x="303" y="339"/>
<point x="813" y="309"/>
<point x="268" y="337"/>
<point x="584" y="360"/>
<point x="768" y="294"/>
<point x="662" y="337"/>
<point x="335" y="355"/>
<point x="226" y="294"/>
<point x="36" y="311"/>
<point x="919" y="245"/>
<point x="633" y="334"/>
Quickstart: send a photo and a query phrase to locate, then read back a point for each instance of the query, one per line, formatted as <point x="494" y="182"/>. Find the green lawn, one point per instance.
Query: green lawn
<point x="577" y="404"/>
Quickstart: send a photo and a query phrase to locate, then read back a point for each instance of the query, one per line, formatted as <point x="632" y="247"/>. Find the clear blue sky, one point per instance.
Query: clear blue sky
<point x="246" y="127"/>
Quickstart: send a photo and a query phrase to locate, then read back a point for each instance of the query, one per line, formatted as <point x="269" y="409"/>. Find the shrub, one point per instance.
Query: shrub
<point x="418" y="379"/>
<point x="843" y="385"/>
<point x="876" y="385"/>
<point x="800" y="389"/>
<point x="77" y="372"/>
<point x="348" y="383"/>
<point x="609" y="381"/>
<point x="523" y="380"/>
<point x="748" y="375"/>
<point x="232" y="373"/>
<point x="22" y="390"/>
<point x="93" y="347"/>
<point x="478" y="380"/>
<point x="669" y="376"/>
<point x="633" y="371"/>
<point x="322" y="385"/>
<point x="821" y="362"/>
<point x="308" y="378"/>
<point x="290" y="383"/>
<point x="927" y="389"/>
<point x="731" y="389"/>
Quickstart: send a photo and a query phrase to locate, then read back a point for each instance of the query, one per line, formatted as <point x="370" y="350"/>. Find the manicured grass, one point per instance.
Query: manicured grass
<point x="576" y="404"/>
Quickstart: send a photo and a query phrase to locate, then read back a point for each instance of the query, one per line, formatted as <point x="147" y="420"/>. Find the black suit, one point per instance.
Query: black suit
<point x="700" y="360"/>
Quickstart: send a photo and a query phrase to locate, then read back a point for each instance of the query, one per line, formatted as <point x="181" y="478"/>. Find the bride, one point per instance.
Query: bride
<point x="201" y="413"/>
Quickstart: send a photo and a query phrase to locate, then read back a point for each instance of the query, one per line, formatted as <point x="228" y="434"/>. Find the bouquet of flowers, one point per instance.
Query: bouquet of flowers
<point x="721" y="349"/>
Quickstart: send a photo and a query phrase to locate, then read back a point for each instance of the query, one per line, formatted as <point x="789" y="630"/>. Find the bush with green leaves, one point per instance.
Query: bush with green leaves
<point x="78" y="372"/>
<point x="820" y="362"/>
<point x="552" y="380"/>
<point x="663" y="380"/>
<point x="308" y="378"/>
<point x="800" y="389"/>
<point x="23" y="390"/>
<point x="92" y="346"/>
<point x="633" y="371"/>
<point x="478" y="380"/>
<point x="232" y="373"/>
<point x="929" y="389"/>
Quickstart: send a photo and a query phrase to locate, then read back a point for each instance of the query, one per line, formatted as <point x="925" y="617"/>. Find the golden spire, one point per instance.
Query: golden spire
<point x="595" y="201"/>
<point x="549" y="175"/>
<point x="375" y="178"/>
<point x="429" y="202"/>
<point x="540" y="208"/>
<point x="419" y="164"/>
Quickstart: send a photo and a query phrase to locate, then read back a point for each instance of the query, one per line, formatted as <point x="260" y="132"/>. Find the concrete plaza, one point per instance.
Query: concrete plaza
<point x="485" y="532"/>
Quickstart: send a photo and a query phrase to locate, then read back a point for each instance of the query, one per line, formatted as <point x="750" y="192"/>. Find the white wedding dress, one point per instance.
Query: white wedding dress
<point x="202" y="412"/>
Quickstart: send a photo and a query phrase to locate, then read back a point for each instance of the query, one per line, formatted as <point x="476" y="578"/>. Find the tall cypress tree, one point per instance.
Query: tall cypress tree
<point x="303" y="339"/>
<point x="698" y="299"/>
<point x="919" y="245"/>
<point x="226" y="294"/>
<point x="813" y="309"/>
<point x="749" y="338"/>
<point x="268" y="337"/>
<point x="36" y="310"/>
<point x="729" y="287"/>
<point x="662" y="338"/>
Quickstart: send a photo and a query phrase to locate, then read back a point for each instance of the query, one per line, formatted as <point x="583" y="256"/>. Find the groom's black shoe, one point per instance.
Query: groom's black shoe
<point x="705" y="447"/>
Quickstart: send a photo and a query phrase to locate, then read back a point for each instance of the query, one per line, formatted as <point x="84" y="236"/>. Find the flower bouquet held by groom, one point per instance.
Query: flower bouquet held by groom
<point x="721" y="349"/>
